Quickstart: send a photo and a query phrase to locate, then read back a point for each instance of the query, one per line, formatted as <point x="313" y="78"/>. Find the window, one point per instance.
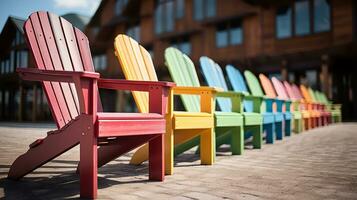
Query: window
<point x="183" y="45"/>
<point x="7" y="66"/>
<point x="229" y="34"/>
<point x="100" y="62"/>
<point x="6" y="98"/>
<point x="134" y="32"/>
<point x="283" y="22"/>
<point x="302" y="17"/>
<point x="12" y="61"/>
<point x="309" y="16"/>
<point x="2" y="67"/>
<point x="222" y="38"/>
<point x="204" y="9"/>
<point x="164" y="16"/>
<point x="180" y="9"/>
<point x="322" y="16"/>
<point x="22" y="59"/>
<point x="119" y="6"/>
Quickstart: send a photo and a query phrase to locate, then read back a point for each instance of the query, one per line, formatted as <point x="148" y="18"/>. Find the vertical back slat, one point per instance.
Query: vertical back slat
<point x="53" y="62"/>
<point x="70" y="93"/>
<point x="49" y="91"/>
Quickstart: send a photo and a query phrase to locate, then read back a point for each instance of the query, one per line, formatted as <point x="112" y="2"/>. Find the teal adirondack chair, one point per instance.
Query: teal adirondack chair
<point x="214" y="77"/>
<point x="238" y="84"/>
<point x="228" y="125"/>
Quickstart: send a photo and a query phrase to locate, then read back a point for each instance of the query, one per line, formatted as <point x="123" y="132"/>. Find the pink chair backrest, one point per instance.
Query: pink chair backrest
<point x="280" y="89"/>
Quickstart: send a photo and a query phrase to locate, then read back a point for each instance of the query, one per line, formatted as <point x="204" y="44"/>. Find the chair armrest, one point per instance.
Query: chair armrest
<point x="236" y="99"/>
<point x="207" y="96"/>
<point x="296" y="105"/>
<point x="159" y="91"/>
<point x="279" y="104"/>
<point x="133" y="85"/>
<point x="269" y="103"/>
<point x="195" y="90"/>
<point x="34" y="74"/>
<point x="257" y="102"/>
<point x="288" y="103"/>
<point x="85" y="84"/>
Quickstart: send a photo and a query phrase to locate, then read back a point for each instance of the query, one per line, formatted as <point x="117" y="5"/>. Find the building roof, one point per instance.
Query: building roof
<point x="79" y="21"/>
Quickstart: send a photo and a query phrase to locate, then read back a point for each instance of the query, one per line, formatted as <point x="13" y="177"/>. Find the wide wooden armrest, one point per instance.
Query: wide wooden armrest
<point x="235" y="97"/>
<point x="257" y="102"/>
<point x="195" y="90"/>
<point x="133" y="85"/>
<point x="229" y="94"/>
<point x="34" y="74"/>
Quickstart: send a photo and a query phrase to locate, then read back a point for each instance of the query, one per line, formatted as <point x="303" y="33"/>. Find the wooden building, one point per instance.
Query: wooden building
<point x="22" y="100"/>
<point x="303" y="41"/>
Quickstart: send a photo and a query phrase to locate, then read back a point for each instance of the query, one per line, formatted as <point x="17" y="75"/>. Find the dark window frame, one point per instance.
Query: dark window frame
<point x="312" y="30"/>
<point x="181" y="40"/>
<point x="165" y="27"/>
<point x="228" y="27"/>
<point x="204" y="10"/>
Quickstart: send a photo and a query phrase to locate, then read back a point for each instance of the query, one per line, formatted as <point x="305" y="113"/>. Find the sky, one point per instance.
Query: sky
<point x="23" y="8"/>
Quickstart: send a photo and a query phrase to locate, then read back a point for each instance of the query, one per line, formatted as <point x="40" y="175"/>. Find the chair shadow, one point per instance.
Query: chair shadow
<point x="57" y="184"/>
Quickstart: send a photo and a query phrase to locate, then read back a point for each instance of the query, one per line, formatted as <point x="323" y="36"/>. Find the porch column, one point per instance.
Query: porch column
<point x="34" y="103"/>
<point x="325" y="78"/>
<point x="284" y="70"/>
<point x="120" y="102"/>
<point x="21" y="93"/>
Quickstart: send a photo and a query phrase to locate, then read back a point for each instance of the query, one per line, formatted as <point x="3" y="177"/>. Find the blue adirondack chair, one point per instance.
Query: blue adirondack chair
<point x="272" y="123"/>
<point x="214" y="77"/>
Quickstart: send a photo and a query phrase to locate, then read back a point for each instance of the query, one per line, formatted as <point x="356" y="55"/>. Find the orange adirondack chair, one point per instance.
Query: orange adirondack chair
<point x="65" y="69"/>
<point x="312" y="107"/>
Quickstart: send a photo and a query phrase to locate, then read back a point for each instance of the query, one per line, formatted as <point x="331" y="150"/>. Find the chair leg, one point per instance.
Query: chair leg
<point x="269" y="129"/>
<point x="279" y="130"/>
<point x="257" y="137"/>
<point x="169" y="151"/>
<point x="237" y="141"/>
<point x="287" y="127"/>
<point x="88" y="166"/>
<point x="208" y="147"/>
<point x="156" y="158"/>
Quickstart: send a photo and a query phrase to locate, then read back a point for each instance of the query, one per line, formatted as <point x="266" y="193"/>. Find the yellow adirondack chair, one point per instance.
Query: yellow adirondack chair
<point x="181" y="126"/>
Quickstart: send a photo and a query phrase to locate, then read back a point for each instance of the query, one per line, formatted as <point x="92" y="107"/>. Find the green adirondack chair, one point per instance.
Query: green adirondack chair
<point x="335" y="109"/>
<point x="267" y="106"/>
<point x="325" y="114"/>
<point x="227" y="124"/>
<point x="214" y="77"/>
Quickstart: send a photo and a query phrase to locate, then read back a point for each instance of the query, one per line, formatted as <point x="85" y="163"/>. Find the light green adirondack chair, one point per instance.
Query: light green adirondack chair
<point x="227" y="124"/>
<point x="267" y="106"/>
<point x="335" y="109"/>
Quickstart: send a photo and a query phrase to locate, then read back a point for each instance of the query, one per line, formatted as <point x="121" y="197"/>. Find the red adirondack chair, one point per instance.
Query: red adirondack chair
<point x="65" y="69"/>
